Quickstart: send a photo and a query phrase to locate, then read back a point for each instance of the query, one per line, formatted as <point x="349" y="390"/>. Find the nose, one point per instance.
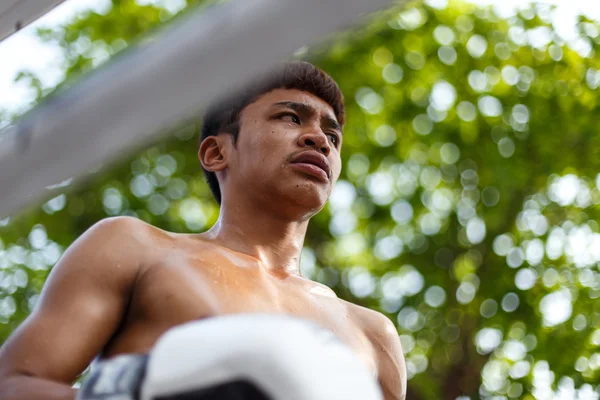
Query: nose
<point x="316" y="139"/>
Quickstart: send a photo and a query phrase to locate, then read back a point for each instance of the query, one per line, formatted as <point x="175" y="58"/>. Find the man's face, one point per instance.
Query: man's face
<point x="288" y="150"/>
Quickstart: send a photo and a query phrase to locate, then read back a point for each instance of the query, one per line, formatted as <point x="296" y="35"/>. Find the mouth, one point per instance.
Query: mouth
<point x="313" y="164"/>
<point x="312" y="170"/>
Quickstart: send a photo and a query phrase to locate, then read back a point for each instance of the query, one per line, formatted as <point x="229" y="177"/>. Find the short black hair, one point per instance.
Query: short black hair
<point x="224" y="115"/>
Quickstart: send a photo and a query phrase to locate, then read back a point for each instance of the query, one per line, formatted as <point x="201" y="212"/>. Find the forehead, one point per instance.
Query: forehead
<point x="268" y="100"/>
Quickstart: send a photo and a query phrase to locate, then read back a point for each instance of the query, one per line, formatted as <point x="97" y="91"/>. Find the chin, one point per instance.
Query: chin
<point x="307" y="196"/>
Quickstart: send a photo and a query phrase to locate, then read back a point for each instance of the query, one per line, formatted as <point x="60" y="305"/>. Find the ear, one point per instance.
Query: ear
<point x="213" y="153"/>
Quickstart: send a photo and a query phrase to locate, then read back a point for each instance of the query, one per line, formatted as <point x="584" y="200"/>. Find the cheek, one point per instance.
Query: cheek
<point x="263" y="147"/>
<point x="252" y="137"/>
<point x="337" y="167"/>
<point x="269" y="138"/>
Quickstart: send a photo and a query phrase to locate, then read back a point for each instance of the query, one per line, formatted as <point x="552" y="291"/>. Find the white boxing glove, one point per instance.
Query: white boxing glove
<point x="241" y="357"/>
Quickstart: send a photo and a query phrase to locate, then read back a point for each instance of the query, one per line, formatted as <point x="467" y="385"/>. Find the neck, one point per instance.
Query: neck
<point x="276" y="241"/>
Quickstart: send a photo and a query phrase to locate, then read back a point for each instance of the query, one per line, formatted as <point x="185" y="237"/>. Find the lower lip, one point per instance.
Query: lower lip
<point x="312" y="170"/>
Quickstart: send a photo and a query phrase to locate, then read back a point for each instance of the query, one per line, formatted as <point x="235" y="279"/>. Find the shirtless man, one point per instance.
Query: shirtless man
<point x="271" y="155"/>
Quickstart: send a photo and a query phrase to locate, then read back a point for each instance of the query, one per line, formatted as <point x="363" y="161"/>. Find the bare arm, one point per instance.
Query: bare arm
<point x="80" y="308"/>
<point x="390" y="360"/>
<point x="384" y="338"/>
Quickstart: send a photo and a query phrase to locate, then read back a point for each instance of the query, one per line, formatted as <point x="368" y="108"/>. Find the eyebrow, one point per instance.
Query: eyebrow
<point x="304" y="108"/>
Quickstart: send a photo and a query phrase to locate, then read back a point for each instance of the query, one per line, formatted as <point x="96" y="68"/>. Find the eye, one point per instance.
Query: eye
<point x="334" y="138"/>
<point x="288" y="116"/>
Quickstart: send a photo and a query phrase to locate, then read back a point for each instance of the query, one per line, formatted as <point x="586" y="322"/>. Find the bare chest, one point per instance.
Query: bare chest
<point x="181" y="291"/>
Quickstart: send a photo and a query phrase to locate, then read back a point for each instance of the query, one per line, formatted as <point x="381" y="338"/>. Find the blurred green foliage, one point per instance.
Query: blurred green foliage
<point x="467" y="208"/>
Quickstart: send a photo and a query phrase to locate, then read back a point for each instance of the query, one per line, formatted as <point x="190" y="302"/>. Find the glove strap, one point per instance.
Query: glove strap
<point x="116" y="379"/>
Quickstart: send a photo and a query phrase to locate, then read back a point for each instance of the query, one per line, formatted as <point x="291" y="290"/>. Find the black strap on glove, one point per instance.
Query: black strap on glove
<point x="120" y="378"/>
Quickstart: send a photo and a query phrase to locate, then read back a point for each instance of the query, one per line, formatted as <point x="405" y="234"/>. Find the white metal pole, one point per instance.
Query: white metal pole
<point x="140" y="94"/>
<point x="16" y="14"/>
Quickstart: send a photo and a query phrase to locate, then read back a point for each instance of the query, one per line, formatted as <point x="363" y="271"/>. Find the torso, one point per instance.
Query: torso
<point x="189" y="278"/>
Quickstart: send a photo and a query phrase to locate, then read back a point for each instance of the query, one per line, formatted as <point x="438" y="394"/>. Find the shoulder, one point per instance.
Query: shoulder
<point x="380" y="330"/>
<point x="120" y="231"/>
<point x="122" y="226"/>
<point x="370" y="320"/>
<point x="115" y="241"/>
<point x="109" y="256"/>
<point x="382" y="334"/>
